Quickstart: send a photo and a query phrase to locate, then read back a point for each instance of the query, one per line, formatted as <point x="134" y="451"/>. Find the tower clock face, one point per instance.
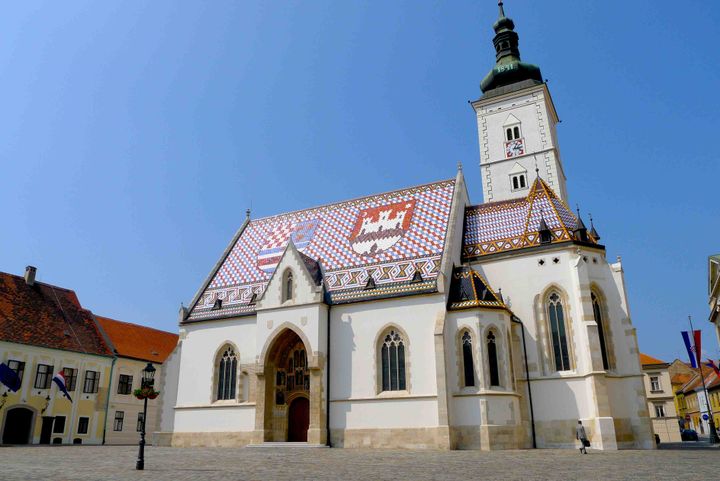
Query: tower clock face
<point x="513" y="148"/>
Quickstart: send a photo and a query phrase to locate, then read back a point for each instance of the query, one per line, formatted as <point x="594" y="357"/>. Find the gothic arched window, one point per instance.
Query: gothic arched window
<point x="392" y="354"/>
<point x="227" y="374"/>
<point x="468" y="366"/>
<point x="288" y="287"/>
<point x="558" y="333"/>
<point x="516" y="131"/>
<point x="597" y="312"/>
<point x="509" y="134"/>
<point x="493" y="360"/>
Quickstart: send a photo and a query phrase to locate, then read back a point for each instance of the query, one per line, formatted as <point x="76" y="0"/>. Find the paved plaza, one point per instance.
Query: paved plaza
<point x="80" y="463"/>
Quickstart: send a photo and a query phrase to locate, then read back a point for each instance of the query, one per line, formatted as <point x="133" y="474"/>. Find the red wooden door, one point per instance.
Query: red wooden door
<point x="298" y="420"/>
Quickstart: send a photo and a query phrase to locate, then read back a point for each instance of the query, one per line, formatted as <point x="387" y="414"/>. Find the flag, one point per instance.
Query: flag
<point x="711" y="363"/>
<point x="59" y="379"/>
<point x="9" y="377"/>
<point x="693" y="353"/>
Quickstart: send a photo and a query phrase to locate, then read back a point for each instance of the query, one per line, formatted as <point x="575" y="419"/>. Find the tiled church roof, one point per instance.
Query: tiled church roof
<point x="387" y="236"/>
<point x="47" y="316"/>
<point x="514" y="224"/>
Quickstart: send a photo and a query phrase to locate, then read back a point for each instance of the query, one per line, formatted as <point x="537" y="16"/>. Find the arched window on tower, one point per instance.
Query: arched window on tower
<point x="597" y="312"/>
<point x="493" y="360"/>
<point x="516" y="131"/>
<point x="509" y="134"/>
<point x="227" y="374"/>
<point x="558" y="333"/>
<point x="392" y="355"/>
<point x="468" y="365"/>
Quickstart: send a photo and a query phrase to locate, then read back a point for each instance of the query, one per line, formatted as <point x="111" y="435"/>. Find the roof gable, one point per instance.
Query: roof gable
<point x="468" y="289"/>
<point x="514" y="224"/>
<point x="47" y="316"/>
<point x="387" y="237"/>
<point x="306" y="281"/>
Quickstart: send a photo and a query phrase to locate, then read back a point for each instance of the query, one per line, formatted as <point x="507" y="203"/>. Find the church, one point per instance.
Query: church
<point x="417" y="318"/>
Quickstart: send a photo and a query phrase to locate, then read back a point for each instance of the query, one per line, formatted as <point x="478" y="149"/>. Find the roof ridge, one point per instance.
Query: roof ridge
<point x="22" y="278"/>
<point x="132" y="324"/>
<point x="355" y="199"/>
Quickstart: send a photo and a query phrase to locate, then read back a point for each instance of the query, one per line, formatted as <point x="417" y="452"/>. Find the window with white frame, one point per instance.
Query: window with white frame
<point x="518" y="182"/>
<point x="659" y="410"/>
<point x="655" y="383"/>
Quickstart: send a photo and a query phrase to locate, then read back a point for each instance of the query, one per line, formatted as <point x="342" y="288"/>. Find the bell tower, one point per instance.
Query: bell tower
<point x="516" y="123"/>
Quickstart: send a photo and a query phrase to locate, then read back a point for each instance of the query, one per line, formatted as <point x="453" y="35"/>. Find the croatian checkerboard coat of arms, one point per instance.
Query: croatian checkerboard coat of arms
<point x="379" y="228"/>
<point x="301" y="233"/>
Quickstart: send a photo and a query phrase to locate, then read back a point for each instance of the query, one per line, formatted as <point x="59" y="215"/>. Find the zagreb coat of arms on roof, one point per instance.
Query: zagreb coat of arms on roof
<point x="379" y="228"/>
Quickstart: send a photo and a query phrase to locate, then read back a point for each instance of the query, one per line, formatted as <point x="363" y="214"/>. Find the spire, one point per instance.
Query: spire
<point x="580" y="230"/>
<point x="508" y="67"/>
<point x="593" y="232"/>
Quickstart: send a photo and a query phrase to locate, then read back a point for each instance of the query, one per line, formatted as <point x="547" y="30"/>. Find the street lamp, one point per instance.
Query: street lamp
<point x="146" y="391"/>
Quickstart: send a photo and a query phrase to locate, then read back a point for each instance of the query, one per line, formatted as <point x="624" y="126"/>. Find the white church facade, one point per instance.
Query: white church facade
<point x="416" y="319"/>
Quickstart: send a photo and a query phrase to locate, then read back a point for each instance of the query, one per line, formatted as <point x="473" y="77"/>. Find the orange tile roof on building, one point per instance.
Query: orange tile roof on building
<point x="680" y="379"/>
<point x="41" y="314"/>
<point x="646" y="360"/>
<point x="138" y="342"/>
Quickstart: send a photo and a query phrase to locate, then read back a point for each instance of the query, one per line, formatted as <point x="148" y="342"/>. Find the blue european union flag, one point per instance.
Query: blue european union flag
<point x="9" y="377"/>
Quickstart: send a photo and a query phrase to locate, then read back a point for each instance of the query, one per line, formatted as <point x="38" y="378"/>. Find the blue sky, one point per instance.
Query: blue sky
<point x="133" y="136"/>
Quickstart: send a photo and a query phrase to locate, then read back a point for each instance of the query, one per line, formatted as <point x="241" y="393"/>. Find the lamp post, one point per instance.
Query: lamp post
<point x="146" y="391"/>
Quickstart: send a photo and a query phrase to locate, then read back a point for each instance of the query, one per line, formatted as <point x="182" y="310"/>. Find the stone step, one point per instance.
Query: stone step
<point x="286" y="445"/>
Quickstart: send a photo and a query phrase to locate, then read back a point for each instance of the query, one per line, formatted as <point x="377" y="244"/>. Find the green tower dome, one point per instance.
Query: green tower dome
<point x="508" y="68"/>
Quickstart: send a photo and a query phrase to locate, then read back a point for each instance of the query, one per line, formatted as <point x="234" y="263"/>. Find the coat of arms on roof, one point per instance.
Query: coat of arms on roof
<point x="379" y="228"/>
<point x="301" y="233"/>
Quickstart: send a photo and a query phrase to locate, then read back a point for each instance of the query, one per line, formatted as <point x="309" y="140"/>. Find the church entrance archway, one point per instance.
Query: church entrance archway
<point x="298" y="419"/>
<point x="18" y="426"/>
<point x="287" y="389"/>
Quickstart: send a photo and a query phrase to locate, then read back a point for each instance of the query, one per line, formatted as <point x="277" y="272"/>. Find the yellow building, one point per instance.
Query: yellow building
<point x="45" y="330"/>
<point x="134" y="346"/>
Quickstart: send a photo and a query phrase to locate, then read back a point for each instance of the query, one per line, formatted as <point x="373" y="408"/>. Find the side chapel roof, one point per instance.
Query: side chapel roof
<point x="397" y="238"/>
<point x="468" y="289"/>
<point x="514" y="224"/>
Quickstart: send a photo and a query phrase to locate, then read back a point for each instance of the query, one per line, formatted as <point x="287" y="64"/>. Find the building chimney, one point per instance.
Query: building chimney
<point x="30" y="275"/>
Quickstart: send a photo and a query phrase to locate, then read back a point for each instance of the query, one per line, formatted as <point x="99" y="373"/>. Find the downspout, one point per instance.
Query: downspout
<point x="107" y="400"/>
<point x="516" y="319"/>
<point x="327" y="369"/>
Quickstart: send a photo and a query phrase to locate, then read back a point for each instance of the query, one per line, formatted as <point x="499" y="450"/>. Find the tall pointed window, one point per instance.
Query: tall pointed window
<point x="597" y="312"/>
<point x="288" y="286"/>
<point x="468" y="366"/>
<point x="392" y="354"/>
<point x="227" y="374"/>
<point x="493" y="360"/>
<point x="558" y="334"/>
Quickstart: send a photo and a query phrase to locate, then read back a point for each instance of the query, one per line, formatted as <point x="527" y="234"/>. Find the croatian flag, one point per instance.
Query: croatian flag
<point x="693" y="349"/>
<point x="711" y="363"/>
<point x="59" y="379"/>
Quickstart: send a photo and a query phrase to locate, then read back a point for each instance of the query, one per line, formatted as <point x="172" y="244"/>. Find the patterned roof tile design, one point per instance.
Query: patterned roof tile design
<point x="514" y="224"/>
<point x="387" y="236"/>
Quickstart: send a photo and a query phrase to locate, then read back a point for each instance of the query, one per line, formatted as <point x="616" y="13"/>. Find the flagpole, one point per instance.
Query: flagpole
<point x="714" y="439"/>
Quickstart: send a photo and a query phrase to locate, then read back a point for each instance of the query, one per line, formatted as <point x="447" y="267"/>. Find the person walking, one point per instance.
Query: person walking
<point x="582" y="437"/>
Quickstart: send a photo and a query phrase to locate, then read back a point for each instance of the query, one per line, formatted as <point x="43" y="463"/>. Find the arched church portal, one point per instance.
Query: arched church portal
<point x="288" y="390"/>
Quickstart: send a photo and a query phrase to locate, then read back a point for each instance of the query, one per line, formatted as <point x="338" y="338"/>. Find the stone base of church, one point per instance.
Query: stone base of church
<point x="488" y="438"/>
<point x="605" y="433"/>
<point x="213" y="439"/>
<point x="394" y="438"/>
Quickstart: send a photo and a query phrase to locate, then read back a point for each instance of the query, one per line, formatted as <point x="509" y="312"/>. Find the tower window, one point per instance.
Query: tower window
<point x="512" y="133"/>
<point x="518" y="182"/>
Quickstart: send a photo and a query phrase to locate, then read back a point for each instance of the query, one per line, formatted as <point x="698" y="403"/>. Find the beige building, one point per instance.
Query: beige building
<point x="661" y="399"/>
<point x="134" y="347"/>
<point x="44" y="331"/>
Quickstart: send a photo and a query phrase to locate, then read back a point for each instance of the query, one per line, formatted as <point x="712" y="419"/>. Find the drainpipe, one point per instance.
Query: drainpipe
<point x="107" y="400"/>
<point x="327" y="368"/>
<point x="516" y="319"/>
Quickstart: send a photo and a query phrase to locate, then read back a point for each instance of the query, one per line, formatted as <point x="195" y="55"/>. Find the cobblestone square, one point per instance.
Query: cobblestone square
<point x="83" y="463"/>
